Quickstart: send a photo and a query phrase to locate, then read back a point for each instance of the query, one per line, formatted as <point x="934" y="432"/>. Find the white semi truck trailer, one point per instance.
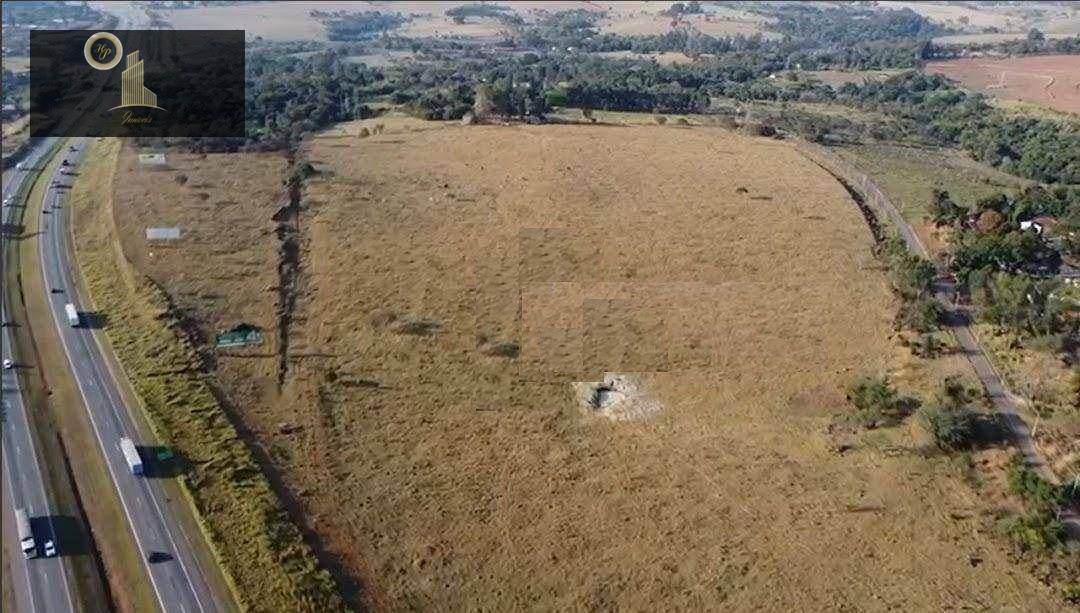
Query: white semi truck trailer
<point x="131" y="456"/>
<point x="26" y="536"/>
<point x="72" y="314"/>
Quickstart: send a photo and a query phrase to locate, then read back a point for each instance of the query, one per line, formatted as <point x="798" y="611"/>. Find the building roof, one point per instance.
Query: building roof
<point x="162" y="234"/>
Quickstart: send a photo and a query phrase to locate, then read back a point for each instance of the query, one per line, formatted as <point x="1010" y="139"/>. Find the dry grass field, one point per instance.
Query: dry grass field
<point x="15" y="134"/>
<point x="280" y="21"/>
<point x="1050" y="80"/>
<point x="837" y="78"/>
<point x="1015" y="19"/>
<point x="456" y="281"/>
<point x="292" y="20"/>
<point x="716" y="21"/>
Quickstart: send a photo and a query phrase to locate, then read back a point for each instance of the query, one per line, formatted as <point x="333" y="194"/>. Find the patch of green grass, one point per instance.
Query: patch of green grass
<point x="253" y="538"/>
<point x="909" y="175"/>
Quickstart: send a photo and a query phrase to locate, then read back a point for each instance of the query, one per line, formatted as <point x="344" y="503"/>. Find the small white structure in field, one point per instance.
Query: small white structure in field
<point x="152" y="159"/>
<point x="162" y="234"/>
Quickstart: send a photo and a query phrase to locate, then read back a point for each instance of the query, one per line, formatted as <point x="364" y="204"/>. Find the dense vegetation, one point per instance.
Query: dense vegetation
<point x="344" y="25"/>
<point x="879" y="403"/>
<point x="951" y="419"/>
<point x="846" y="26"/>
<point x="291" y="95"/>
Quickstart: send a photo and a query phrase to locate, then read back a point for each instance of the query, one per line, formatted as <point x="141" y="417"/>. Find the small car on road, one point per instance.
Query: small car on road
<point x="50" y="549"/>
<point x="8" y="364"/>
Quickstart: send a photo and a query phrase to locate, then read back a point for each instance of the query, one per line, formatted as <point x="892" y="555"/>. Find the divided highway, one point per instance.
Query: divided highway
<point x="178" y="581"/>
<point x="40" y="583"/>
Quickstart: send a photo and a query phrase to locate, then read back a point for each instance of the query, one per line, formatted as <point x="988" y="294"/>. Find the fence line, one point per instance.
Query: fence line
<point x="873" y="194"/>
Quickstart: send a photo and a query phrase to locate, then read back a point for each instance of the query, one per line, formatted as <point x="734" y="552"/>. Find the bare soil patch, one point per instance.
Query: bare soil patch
<point x="1051" y="80"/>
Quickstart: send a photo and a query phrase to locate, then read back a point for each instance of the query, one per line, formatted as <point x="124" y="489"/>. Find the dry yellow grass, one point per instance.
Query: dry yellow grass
<point x="442" y="477"/>
<point x="469" y="479"/>
<point x="15" y="134"/>
<point x="261" y="552"/>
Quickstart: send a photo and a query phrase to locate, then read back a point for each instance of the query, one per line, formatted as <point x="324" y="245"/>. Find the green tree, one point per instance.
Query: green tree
<point x="943" y="211"/>
<point x="1023" y="304"/>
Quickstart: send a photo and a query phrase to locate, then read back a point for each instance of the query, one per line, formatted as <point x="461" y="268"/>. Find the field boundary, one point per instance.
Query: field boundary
<point x="1006" y="402"/>
<point x="153" y="355"/>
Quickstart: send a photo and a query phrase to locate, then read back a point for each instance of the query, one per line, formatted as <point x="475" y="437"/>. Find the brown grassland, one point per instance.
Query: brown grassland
<point x="260" y="550"/>
<point x="731" y="274"/>
<point x="293" y="20"/>
<point x="1050" y="80"/>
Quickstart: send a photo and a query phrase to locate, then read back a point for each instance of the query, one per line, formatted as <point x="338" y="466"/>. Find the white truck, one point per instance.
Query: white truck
<point x="72" y="314"/>
<point x="131" y="456"/>
<point x="26" y="536"/>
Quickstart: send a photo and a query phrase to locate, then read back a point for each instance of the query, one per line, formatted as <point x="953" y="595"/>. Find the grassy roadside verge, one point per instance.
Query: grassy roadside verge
<point x="56" y="407"/>
<point x="85" y="565"/>
<point x="262" y="551"/>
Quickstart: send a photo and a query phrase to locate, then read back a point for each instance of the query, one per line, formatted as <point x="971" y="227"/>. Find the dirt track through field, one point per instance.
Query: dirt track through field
<point x="1042" y="79"/>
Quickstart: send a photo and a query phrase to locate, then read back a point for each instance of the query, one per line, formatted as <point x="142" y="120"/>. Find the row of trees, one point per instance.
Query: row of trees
<point x="352" y="26"/>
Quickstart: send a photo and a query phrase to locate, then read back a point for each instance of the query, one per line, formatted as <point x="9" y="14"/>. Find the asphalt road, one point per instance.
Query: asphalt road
<point x="178" y="581"/>
<point x="40" y="584"/>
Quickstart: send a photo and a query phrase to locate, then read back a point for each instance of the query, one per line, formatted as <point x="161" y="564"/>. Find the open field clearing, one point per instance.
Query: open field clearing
<point x="664" y="58"/>
<point x="257" y="547"/>
<point x="910" y="175"/>
<point x="1052" y="80"/>
<point x="16" y="63"/>
<point x="1013" y="20"/>
<point x="293" y="21"/>
<point x="716" y="21"/>
<point x="837" y="78"/>
<point x="965" y="15"/>
<point x="456" y="281"/>
<point x="979" y="39"/>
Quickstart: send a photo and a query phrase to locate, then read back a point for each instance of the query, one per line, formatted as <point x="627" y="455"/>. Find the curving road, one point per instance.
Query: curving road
<point x="959" y="316"/>
<point x="40" y="584"/>
<point x="178" y="581"/>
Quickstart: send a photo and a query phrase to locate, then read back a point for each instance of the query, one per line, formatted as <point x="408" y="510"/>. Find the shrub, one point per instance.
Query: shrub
<point x="921" y="315"/>
<point x="498" y="349"/>
<point x="1038" y="493"/>
<point x="878" y="402"/>
<point x="1036" y="531"/>
<point x="952" y="427"/>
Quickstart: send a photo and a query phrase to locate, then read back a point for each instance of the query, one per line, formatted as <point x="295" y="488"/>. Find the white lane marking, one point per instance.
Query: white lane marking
<point x="113" y="403"/>
<point x="97" y="434"/>
<point x="41" y="483"/>
<point x="96" y="367"/>
<point x="25" y="564"/>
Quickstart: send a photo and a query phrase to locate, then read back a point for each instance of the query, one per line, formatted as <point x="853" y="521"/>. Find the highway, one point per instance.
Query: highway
<point x="178" y="582"/>
<point x="39" y="584"/>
